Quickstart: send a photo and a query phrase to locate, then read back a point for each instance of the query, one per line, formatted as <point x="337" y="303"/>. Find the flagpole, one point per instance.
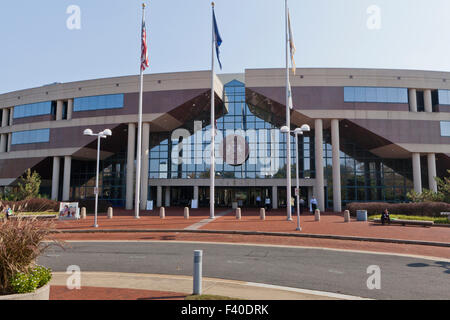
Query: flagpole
<point x="139" y="140"/>
<point x="288" y="124"/>
<point x="213" y="127"/>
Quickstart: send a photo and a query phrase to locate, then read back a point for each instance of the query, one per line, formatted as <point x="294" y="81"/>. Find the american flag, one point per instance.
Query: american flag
<point x="144" y="49"/>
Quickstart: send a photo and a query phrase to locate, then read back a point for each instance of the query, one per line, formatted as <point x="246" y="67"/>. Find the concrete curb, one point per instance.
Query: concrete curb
<point x="260" y="233"/>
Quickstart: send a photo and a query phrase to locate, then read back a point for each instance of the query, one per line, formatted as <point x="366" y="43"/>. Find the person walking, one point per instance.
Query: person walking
<point x="293" y="205"/>
<point x="302" y="204"/>
<point x="258" y="201"/>
<point x="313" y="204"/>
<point x="267" y="203"/>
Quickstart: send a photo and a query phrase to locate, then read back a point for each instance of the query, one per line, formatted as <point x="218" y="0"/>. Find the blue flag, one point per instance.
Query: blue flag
<point x="218" y="38"/>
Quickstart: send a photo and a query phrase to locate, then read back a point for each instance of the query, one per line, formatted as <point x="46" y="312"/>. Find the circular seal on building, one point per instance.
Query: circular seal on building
<point x="234" y="150"/>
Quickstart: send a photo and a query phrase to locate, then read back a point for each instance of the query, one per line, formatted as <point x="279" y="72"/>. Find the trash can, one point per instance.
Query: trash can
<point x="361" y="215"/>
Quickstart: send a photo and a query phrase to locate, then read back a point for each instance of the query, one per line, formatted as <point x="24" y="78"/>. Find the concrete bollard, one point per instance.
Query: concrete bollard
<point x="162" y="213"/>
<point x="186" y="213"/>
<point x="262" y="214"/>
<point x="238" y="214"/>
<point x="110" y="213"/>
<point x="198" y="271"/>
<point x="347" y="216"/>
<point x="317" y="215"/>
<point x="83" y="213"/>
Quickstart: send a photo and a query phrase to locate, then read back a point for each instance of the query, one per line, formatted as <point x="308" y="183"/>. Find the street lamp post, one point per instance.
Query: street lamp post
<point x="297" y="132"/>
<point x="104" y="134"/>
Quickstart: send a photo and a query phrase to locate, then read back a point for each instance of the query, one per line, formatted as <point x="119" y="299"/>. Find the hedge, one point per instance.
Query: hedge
<point x="32" y="205"/>
<point x="429" y="209"/>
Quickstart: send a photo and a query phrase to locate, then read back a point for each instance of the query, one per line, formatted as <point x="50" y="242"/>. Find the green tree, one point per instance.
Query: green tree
<point x="444" y="187"/>
<point x="29" y="185"/>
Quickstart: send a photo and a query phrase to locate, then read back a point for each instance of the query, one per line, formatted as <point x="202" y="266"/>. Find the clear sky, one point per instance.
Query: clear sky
<point x="37" y="48"/>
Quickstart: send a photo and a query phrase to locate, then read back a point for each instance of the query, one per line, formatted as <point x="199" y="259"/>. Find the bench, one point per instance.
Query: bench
<point x="408" y="222"/>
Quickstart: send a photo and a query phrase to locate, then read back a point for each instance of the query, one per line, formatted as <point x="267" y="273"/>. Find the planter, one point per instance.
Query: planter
<point x="40" y="294"/>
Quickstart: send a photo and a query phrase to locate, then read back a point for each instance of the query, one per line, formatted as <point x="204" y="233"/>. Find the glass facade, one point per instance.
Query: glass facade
<point x="34" y="109"/>
<point x="265" y="142"/>
<point x="112" y="179"/>
<point x="376" y="94"/>
<point x="366" y="177"/>
<point x="112" y="101"/>
<point x="445" y="128"/>
<point x="32" y="136"/>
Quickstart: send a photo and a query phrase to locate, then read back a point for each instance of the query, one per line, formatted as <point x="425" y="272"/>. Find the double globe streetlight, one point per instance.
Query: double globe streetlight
<point x="101" y="135"/>
<point x="297" y="132"/>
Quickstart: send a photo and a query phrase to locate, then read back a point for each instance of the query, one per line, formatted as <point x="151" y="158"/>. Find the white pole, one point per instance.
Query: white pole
<point x="298" y="184"/>
<point x="198" y="272"/>
<point x="288" y="124"/>
<point x="96" y="180"/>
<point x="213" y="127"/>
<point x="139" y="140"/>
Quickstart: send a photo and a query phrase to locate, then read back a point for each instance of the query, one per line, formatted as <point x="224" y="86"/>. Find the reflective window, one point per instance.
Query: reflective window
<point x="112" y="101"/>
<point x="32" y="110"/>
<point x="375" y="94"/>
<point x="444" y="97"/>
<point x="445" y="128"/>
<point x="32" y="136"/>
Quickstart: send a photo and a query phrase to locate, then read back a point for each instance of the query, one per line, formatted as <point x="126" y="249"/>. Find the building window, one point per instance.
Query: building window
<point x="112" y="101"/>
<point x="444" y="97"/>
<point x="445" y="128"/>
<point x="375" y="94"/>
<point x="420" y="101"/>
<point x="32" y="136"/>
<point x="32" y="110"/>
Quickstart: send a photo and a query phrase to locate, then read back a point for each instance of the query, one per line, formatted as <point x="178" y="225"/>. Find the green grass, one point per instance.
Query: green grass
<point x="36" y="213"/>
<point x="209" y="297"/>
<point x="2" y="215"/>
<point x="438" y="220"/>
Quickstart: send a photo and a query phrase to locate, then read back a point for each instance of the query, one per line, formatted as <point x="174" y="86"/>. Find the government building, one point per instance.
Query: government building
<point x="375" y="135"/>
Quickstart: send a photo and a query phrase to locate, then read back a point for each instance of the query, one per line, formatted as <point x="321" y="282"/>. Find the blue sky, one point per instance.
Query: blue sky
<point x="38" y="48"/>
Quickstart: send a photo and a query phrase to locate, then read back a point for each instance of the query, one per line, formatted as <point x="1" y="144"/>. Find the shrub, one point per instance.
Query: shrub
<point x="29" y="185"/>
<point x="426" y="196"/>
<point x="444" y="186"/>
<point x="430" y="209"/>
<point x="20" y="246"/>
<point x="28" y="282"/>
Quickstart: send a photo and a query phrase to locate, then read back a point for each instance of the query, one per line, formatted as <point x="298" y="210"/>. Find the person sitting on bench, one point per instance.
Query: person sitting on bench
<point x="385" y="217"/>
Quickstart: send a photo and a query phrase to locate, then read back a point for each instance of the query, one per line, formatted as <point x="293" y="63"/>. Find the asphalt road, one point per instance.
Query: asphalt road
<point x="313" y="269"/>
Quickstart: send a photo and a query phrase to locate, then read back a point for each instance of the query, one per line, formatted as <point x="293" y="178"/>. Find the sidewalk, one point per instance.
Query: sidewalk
<point x="126" y="286"/>
<point x="330" y="225"/>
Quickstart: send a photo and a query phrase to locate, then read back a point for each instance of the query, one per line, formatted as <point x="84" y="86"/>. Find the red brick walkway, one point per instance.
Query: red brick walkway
<point x="330" y="224"/>
<point x="92" y="293"/>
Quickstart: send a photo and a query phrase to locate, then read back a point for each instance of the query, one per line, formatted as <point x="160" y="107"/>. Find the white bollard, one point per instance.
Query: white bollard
<point x="347" y="216"/>
<point x="110" y="213"/>
<point x="198" y="272"/>
<point x="238" y="214"/>
<point x="162" y="213"/>
<point x="262" y="214"/>
<point x="83" y="213"/>
<point x="317" y="215"/>
<point x="186" y="213"/>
